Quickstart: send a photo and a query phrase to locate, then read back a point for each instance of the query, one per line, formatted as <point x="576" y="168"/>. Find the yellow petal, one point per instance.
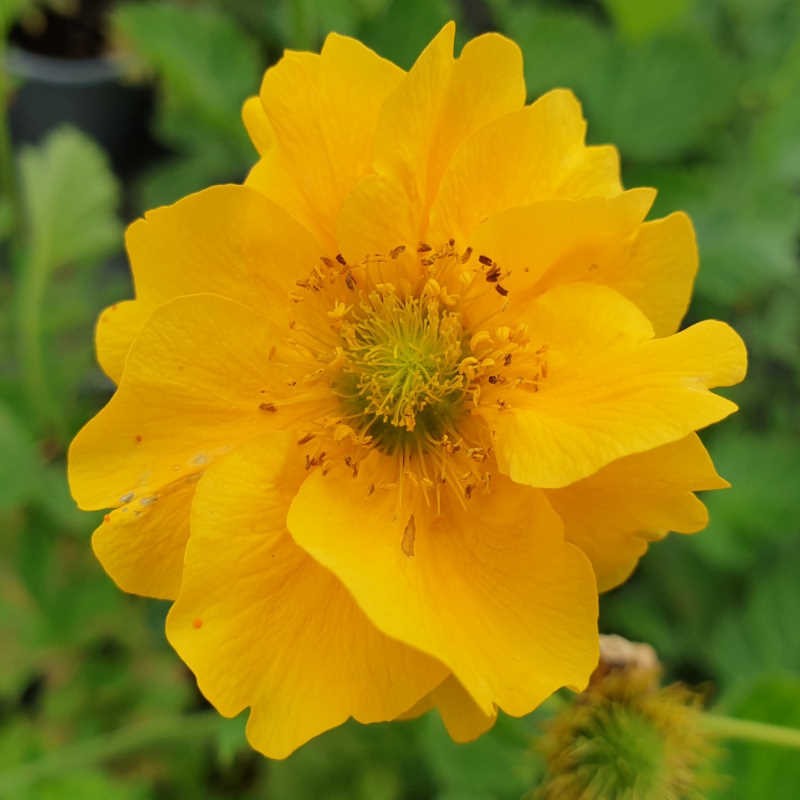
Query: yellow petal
<point x="198" y="380"/>
<point x="660" y="273"/>
<point x="257" y="124"/>
<point x="492" y="590"/>
<point x="263" y="625"/>
<point x="323" y="110"/>
<point x="463" y="719"/>
<point x="596" y="173"/>
<point x="228" y="240"/>
<point x="610" y="389"/>
<point x="409" y="121"/>
<point x="141" y="544"/>
<point x="613" y="514"/>
<point x="521" y="158"/>
<point x="561" y="241"/>
<point x="116" y="328"/>
<point x="439" y="104"/>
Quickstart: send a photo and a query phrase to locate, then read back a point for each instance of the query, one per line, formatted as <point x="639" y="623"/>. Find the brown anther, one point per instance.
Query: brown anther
<point x="395" y="251"/>
<point x="427" y="262"/>
<point x="468" y="489"/>
<point x="465" y="256"/>
<point x="409" y="537"/>
<point x="138" y="438"/>
<point x="451" y="242"/>
<point x="350" y="281"/>
<point x="305" y="439"/>
<point x="493" y="274"/>
<point x="424" y="247"/>
<point x="328" y="262"/>
<point x="371" y="490"/>
<point x="340" y="259"/>
<point x="486" y="261"/>
<point x="271" y="407"/>
<point x="494" y="379"/>
<point x="507" y="359"/>
<point x="501" y="290"/>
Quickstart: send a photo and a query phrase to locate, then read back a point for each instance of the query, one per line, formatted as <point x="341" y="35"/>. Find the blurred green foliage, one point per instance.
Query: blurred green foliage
<point x="701" y="98"/>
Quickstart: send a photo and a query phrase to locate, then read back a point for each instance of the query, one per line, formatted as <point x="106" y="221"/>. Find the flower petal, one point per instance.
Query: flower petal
<point x="560" y="241"/>
<point x="523" y="157"/>
<point x="492" y="590"/>
<point x="437" y="105"/>
<point x="660" y="273"/>
<point x="228" y="240"/>
<point x="141" y="544"/>
<point x="258" y="126"/>
<point x="116" y="328"/>
<point x="323" y="111"/>
<point x="611" y="390"/>
<point x="263" y="625"/>
<point x="463" y="718"/>
<point x="613" y="514"/>
<point x="202" y="376"/>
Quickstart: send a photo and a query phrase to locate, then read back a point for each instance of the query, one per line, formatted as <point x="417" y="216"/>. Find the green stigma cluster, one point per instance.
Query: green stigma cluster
<point x="626" y="738"/>
<point x="401" y="375"/>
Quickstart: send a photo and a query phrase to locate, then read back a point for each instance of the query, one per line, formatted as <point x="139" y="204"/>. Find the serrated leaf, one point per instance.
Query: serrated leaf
<point x="755" y="771"/>
<point x="70" y="196"/>
<point x="656" y="100"/>
<point x="662" y="97"/>
<point x="206" y="64"/>
<point x="762" y="635"/>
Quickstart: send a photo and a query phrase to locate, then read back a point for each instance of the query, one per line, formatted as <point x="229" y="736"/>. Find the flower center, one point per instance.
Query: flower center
<point x="400" y="377"/>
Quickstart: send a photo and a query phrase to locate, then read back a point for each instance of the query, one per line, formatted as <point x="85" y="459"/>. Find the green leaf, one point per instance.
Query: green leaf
<point x="206" y="64"/>
<point x="762" y="635"/>
<point x="639" y="20"/>
<point x="500" y="764"/>
<point x="746" y="226"/>
<point x="656" y="100"/>
<point x="19" y="463"/>
<point x="403" y="29"/>
<point x="755" y="771"/>
<point x="659" y="100"/>
<point x="69" y="196"/>
<point x="303" y="24"/>
<point x="761" y="506"/>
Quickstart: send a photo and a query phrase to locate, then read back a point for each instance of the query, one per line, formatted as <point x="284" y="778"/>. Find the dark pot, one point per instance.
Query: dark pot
<point x="88" y="93"/>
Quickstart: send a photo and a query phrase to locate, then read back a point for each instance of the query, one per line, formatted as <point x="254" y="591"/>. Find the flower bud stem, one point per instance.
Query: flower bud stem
<point x="751" y="731"/>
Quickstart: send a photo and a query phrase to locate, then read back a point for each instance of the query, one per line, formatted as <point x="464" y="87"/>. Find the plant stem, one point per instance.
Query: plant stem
<point x="751" y="731"/>
<point x="103" y="748"/>
<point x="31" y="284"/>
<point x="8" y="177"/>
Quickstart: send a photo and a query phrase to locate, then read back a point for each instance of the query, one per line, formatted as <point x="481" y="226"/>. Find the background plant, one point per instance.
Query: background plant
<point x="701" y="99"/>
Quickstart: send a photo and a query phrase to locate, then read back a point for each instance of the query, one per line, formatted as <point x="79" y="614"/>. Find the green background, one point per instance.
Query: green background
<point x="702" y="100"/>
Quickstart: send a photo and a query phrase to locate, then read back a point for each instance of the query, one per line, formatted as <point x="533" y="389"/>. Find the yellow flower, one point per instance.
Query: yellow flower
<point x="378" y="405"/>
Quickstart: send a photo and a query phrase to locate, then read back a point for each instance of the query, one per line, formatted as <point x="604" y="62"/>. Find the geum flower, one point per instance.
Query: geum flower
<point x="389" y="412"/>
